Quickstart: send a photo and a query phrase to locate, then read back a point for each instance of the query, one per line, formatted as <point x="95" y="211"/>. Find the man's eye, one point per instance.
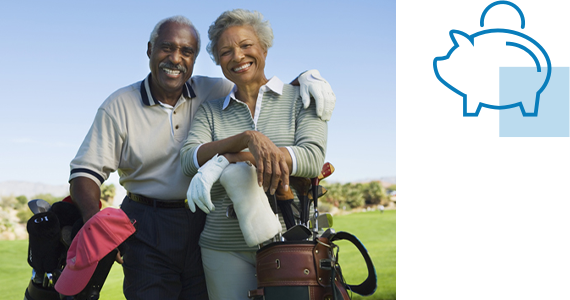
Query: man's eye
<point x="225" y="53"/>
<point x="246" y="46"/>
<point x="166" y="48"/>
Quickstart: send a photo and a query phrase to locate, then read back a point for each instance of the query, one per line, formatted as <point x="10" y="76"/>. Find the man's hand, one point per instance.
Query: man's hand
<point x="313" y="84"/>
<point x="270" y="162"/>
<point x="119" y="258"/>
<point x="201" y="184"/>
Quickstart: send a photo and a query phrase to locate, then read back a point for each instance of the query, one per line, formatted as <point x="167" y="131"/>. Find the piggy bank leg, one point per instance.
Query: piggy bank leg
<point x="471" y="106"/>
<point x="528" y="105"/>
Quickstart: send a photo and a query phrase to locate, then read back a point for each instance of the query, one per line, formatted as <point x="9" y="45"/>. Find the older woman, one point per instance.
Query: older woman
<point x="264" y="117"/>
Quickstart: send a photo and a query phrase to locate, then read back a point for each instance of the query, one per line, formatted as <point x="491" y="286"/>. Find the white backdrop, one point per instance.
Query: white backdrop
<point x="480" y="216"/>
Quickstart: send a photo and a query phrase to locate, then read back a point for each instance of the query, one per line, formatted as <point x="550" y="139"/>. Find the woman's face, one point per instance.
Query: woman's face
<point x="241" y="56"/>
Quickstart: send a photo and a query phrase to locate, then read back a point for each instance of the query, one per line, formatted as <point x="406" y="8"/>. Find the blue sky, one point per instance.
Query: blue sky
<point x="61" y="59"/>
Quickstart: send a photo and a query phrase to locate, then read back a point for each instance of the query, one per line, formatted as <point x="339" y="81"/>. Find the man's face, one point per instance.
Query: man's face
<point x="172" y="58"/>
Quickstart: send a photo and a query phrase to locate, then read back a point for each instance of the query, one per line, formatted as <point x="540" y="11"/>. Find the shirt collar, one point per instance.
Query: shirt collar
<point x="148" y="99"/>
<point x="274" y="84"/>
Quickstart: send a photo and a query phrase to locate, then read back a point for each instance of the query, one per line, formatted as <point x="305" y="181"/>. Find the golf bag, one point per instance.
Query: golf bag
<point x="305" y="264"/>
<point x="50" y="235"/>
<point x="308" y="270"/>
<point x="47" y="248"/>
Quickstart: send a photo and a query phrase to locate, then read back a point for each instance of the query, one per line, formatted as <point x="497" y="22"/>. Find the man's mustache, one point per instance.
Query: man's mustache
<point x="170" y="65"/>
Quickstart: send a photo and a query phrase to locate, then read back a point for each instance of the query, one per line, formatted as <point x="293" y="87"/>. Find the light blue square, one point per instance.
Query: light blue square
<point x="553" y="110"/>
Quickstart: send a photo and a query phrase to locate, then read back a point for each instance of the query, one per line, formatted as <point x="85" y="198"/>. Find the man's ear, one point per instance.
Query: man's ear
<point x="149" y="49"/>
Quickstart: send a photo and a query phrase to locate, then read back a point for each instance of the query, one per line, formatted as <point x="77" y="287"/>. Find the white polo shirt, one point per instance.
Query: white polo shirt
<point x="141" y="138"/>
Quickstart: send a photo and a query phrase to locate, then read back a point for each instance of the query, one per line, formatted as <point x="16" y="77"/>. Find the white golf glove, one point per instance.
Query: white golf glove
<point x="311" y="83"/>
<point x="200" y="186"/>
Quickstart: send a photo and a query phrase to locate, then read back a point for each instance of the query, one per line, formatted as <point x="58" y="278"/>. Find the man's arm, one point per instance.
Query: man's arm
<point x="86" y="194"/>
<point x="312" y="84"/>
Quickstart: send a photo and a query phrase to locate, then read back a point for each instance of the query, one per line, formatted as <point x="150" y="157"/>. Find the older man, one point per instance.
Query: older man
<point x="139" y="131"/>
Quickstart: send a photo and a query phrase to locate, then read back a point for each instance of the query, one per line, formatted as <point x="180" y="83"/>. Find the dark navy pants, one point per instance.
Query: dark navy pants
<point x="162" y="259"/>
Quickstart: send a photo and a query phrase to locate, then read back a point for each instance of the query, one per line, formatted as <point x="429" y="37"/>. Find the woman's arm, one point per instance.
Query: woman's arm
<point x="273" y="164"/>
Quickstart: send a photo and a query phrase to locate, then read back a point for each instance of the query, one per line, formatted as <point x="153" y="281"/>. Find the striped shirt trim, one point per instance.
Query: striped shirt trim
<point x="95" y="174"/>
<point x="146" y="94"/>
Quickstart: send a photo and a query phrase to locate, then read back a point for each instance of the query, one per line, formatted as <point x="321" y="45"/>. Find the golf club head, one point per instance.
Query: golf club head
<point x="321" y="192"/>
<point x="38" y="206"/>
<point x="329" y="233"/>
<point x="297" y="233"/>
<point x="325" y="220"/>
<point x="327" y="170"/>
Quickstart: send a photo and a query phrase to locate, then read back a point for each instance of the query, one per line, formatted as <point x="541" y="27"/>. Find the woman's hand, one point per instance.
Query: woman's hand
<point x="270" y="161"/>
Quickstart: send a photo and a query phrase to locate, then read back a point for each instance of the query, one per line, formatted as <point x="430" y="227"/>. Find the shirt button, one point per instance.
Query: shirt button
<point x="174" y="112"/>
<point x="176" y="127"/>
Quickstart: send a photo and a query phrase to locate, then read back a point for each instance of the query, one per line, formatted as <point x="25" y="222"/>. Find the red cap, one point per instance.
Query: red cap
<point x="102" y="233"/>
<point x="68" y="199"/>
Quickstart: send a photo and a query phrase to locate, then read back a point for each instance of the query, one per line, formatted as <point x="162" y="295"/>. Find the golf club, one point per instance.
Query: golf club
<point x="329" y="233"/>
<point x="284" y="201"/>
<point x="326" y="171"/>
<point x="325" y="220"/>
<point x="297" y="233"/>
<point x="38" y="206"/>
<point x="322" y="190"/>
<point x="301" y="186"/>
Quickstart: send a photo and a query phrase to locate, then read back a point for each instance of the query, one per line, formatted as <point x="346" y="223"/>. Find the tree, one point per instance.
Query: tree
<point x="374" y="192"/>
<point x="21" y="201"/>
<point x="334" y="194"/>
<point x="108" y="193"/>
<point x="354" y="195"/>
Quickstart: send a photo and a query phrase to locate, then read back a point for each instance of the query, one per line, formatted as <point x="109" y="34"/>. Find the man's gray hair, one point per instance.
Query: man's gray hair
<point x="239" y="17"/>
<point x="175" y="19"/>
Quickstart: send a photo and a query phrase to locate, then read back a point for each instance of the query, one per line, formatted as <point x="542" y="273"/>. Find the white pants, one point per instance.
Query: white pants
<point x="229" y="275"/>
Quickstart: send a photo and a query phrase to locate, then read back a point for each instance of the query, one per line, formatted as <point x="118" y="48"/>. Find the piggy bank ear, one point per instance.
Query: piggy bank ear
<point x="461" y="38"/>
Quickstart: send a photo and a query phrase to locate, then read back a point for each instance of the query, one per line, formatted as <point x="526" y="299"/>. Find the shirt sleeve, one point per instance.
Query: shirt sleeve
<point x="99" y="154"/>
<point x="200" y="133"/>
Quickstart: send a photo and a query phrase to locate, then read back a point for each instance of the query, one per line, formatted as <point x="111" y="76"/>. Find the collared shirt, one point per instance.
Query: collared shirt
<point x="141" y="138"/>
<point x="276" y="86"/>
<point x="281" y="117"/>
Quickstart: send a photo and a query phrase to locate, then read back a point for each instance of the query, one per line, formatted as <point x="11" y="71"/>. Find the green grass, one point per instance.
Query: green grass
<point x="377" y="232"/>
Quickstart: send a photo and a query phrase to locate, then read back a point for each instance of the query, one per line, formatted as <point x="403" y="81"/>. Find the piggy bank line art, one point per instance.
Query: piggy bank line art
<point x="472" y="67"/>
